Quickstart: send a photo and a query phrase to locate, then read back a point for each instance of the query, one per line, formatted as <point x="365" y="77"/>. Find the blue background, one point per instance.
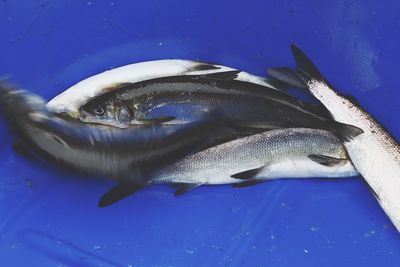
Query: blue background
<point x="49" y="218"/>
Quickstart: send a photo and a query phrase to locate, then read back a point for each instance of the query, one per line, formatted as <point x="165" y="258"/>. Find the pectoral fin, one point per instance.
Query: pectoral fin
<point x="248" y="174"/>
<point x="118" y="192"/>
<point x="157" y="120"/>
<point x="184" y="188"/>
<point x="327" y="160"/>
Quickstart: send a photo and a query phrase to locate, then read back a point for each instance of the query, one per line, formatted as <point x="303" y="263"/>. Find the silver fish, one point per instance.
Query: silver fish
<point x="70" y="101"/>
<point x="281" y="153"/>
<point x="373" y="151"/>
<point x="178" y="99"/>
<point x="108" y="152"/>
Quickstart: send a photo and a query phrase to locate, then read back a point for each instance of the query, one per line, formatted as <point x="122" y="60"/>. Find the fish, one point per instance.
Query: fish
<point x="374" y="152"/>
<point x="274" y="154"/>
<point x="120" y="154"/>
<point x="183" y="99"/>
<point x="180" y="91"/>
<point x="73" y="98"/>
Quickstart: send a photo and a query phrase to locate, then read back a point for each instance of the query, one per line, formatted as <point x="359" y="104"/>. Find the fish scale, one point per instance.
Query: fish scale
<point x="216" y="165"/>
<point x="373" y="151"/>
<point x="188" y="98"/>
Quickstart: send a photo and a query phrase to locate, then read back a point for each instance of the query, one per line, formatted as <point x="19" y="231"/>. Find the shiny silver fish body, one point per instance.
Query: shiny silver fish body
<point x="281" y="153"/>
<point x="374" y="152"/>
<point x="96" y="150"/>
<point x="190" y="98"/>
<point x="73" y="98"/>
<point x="187" y="96"/>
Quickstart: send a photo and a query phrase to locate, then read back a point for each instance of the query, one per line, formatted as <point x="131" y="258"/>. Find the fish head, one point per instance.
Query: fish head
<point x="106" y="112"/>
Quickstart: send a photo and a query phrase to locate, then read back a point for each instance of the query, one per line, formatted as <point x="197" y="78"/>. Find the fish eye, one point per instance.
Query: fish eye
<point x="99" y="110"/>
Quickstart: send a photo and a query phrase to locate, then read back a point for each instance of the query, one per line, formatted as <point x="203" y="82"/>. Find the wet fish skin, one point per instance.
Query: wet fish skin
<point x="281" y="153"/>
<point x="97" y="150"/>
<point x="374" y="152"/>
<point x="73" y="98"/>
<point x="189" y="98"/>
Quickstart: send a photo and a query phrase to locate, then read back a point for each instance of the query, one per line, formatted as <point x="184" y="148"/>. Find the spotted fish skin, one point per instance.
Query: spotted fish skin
<point x="373" y="151"/>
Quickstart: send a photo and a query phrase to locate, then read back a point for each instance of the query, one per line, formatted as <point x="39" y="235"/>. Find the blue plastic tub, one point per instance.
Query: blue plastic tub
<point x="49" y="218"/>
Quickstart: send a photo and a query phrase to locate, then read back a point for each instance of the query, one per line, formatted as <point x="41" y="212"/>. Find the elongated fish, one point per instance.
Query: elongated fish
<point x="109" y="152"/>
<point x="281" y="153"/>
<point x="73" y="98"/>
<point x="373" y="151"/>
<point x="176" y="92"/>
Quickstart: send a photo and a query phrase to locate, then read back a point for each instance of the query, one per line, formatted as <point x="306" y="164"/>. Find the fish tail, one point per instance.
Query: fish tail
<point x="302" y="75"/>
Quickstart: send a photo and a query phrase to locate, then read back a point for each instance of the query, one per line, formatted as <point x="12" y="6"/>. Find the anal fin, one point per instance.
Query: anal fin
<point x="183" y="188"/>
<point x="118" y="192"/>
<point x="248" y="174"/>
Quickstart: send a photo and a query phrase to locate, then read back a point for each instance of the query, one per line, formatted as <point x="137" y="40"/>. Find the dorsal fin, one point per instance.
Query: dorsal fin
<point x="226" y="75"/>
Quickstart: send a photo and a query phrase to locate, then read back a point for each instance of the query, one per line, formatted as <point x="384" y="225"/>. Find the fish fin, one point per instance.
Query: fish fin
<point x="205" y="65"/>
<point x="183" y="188"/>
<point x="248" y="183"/>
<point x="304" y="63"/>
<point x="118" y="192"/>
<point x="226" y="75"/>
<point x="319" y="110"/>
<point x="276" y="84"/>
<point x="23" y="151"/>
<point x="305" y="72"/>
<point x="247" y="174"/>
<point x="346" y="132"/>
<point x="158" y="120"/>
<point x="326" y="160"/>
<point x="287" y="76"/>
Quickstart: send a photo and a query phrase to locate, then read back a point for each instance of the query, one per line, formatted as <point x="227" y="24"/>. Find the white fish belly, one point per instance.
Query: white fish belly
<point x="380" y="172"/>
<point x="303" y="168"/>
<point x="306" y="169"/>
<point x="374" y="153"/>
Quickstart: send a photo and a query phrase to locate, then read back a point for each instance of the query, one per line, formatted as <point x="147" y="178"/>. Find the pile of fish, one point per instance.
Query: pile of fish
<point x="190" y="123"/>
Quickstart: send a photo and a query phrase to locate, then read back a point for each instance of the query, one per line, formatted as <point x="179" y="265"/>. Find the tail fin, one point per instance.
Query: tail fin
<point x="299" y="77"/>
<point x="305" y="65"/>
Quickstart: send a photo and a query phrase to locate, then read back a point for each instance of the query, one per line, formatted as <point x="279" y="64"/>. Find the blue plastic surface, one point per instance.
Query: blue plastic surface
<point x="49" y="218"/>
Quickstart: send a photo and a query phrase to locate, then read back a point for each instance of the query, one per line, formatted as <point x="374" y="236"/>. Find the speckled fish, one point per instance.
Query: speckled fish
<point x="373" y="151"/>
<point x="281" y="153"/>
<point x="102" y="151"/>
<point x="184" y="98"/>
